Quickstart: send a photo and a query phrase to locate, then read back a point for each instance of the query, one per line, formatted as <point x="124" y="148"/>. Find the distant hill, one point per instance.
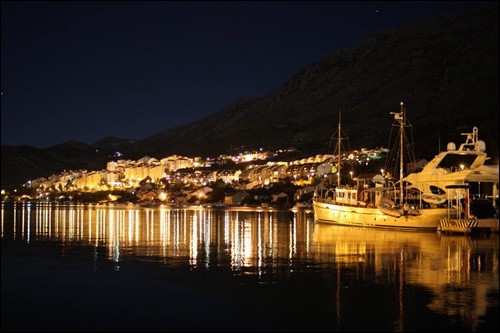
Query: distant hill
<point x="445" y="70"/>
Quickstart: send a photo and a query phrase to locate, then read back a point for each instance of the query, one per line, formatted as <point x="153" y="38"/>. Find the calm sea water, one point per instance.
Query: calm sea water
<point x="129" y="268"/>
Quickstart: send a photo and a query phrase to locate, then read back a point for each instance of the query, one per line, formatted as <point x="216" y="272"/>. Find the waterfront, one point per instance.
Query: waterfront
<point x="129" y="268"/>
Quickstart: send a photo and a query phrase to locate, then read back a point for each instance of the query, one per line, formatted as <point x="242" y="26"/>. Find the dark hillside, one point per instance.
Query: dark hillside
<point x="445" y="70"/>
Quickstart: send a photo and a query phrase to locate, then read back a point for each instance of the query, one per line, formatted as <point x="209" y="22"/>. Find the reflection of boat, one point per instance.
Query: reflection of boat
<point x="459" y="272"/>
<point x="361" y="256"/>
<point x="471" y="216"/>
<point x="415" y="202"/>
<point x="353" y="243"/>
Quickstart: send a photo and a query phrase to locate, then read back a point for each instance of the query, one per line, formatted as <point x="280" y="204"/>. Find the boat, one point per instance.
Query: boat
<point x="417" y="201"/>
<point x="471" y="216"/>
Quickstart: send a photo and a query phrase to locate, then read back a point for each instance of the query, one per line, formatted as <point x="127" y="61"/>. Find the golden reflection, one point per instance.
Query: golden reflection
<point x="457" y="270"/>
<point x="469" y="262"/>
<point x="248" y="240"/>
<point x="193" y="241"/>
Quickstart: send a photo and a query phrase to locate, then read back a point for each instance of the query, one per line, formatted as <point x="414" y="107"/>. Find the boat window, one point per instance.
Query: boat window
<point x="457" y="161"/>
<point x="436" y="190"/>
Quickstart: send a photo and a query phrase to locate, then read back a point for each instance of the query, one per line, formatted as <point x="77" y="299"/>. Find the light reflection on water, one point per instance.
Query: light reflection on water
<point x="384" y="273"/>
<point x="200" y="237"/>
<point x="460" y="272"/>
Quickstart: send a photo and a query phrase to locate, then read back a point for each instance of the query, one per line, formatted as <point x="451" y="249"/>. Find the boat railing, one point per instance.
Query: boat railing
<point x="325" y="195"/>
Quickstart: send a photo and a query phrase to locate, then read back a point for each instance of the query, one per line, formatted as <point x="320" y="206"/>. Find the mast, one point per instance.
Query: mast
<point x="337" y="150"/>
<point x="400" y="117"/>
<point x="339" y="145"/>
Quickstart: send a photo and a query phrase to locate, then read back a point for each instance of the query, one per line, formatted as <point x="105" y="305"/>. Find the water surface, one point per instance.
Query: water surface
<point x="129" y="268"/>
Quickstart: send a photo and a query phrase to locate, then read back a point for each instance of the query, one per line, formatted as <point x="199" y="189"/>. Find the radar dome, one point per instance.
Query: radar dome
<point x="451" y="146"/>
<point x="481" y="145"/>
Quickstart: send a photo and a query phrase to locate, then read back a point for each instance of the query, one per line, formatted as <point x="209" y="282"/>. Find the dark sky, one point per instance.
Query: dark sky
<point x="85" y="70"/>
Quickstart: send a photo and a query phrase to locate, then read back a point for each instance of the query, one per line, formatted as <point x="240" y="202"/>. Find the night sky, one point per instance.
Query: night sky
<point x="87" y="70"/>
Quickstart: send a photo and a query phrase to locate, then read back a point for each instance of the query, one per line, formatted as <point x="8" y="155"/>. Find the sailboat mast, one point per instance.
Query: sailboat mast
<point x="401" y="141"/>
<point x="339" y="145"/>
<point x="401" y="151"/>
<point x="400" y="117"/>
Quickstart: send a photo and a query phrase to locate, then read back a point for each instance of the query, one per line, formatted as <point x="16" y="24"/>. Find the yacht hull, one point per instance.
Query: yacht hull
<point x="428" y="220"/>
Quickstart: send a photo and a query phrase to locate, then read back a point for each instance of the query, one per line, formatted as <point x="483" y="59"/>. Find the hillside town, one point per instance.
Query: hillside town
<point x="248" y="177"/>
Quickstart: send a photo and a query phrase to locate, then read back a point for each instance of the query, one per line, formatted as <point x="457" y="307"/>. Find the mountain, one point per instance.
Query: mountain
<point x="445" y="70"/>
